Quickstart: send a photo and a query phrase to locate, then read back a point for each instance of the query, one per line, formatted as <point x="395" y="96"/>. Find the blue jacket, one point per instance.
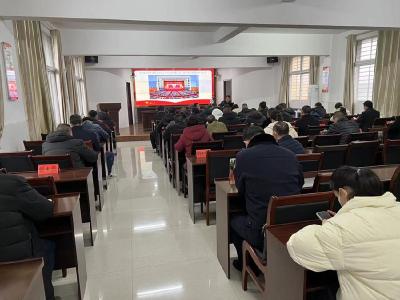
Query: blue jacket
<point x="79" y="132"/>
<point x="263" y="170"/>
<point x="290" y="143"/>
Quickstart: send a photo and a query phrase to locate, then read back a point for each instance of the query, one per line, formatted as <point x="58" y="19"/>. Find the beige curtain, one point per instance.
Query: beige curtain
<point x="33" y="74"/>
<point x="314" y="70"/>
<point x="351" y="52"/>
<point x="61" y="76"/>
<point x="284" y="88"/>
<point x="1" y="106"/>
<point x="75" y="77"/>
<point x="387" y="73"/>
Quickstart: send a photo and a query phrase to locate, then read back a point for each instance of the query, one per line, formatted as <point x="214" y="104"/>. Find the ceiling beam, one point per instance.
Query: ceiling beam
<point x="226" y="33"/>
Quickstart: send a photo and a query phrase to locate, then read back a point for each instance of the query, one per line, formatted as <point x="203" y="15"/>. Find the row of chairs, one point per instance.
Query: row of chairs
<point x="335" y="139"/>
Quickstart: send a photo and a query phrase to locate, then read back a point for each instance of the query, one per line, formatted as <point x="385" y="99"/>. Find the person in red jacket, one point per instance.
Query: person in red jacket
<point x="195" y="132"/>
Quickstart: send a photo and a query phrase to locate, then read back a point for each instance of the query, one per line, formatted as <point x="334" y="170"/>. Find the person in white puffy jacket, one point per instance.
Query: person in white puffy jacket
<point x="275" y="117"/>
<point x="361" y="242"/>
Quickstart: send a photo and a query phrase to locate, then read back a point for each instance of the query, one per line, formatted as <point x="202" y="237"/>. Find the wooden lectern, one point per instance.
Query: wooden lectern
<point x="113" y="110"/>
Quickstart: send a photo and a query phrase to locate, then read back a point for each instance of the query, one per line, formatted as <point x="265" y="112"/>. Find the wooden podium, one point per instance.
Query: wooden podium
<point x="113" y="110"/>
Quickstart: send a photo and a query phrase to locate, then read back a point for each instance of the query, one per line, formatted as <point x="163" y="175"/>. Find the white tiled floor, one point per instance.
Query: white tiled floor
<point x="147" y="246"/>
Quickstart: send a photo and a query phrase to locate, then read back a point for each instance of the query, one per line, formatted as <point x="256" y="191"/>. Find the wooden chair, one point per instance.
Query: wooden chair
<point x="327" y="140"/>
<point x="44" y="185"/>
<point x="212" y="145"/>
<point x="34" y="146"/>
<point x="171" y="158"/>
<point x="217" y="166"/>
<point x="322" y="182"/>
<point x="381" y="122"/>
<point x="363" y="136"/>
<point x="315" y="130"/>
<point x="237" y="127"/>
<point x="334" y="156"/>
<point x="311" y="163"/>
<point x="362" y="154"/>
<point x="233" y="142"/>
<point x="303" y="140"/>
<point x="220" y="135"/>
<point x="395" y="184"/>
<point x="391" y="152"/>
<point x="16" y="161"/>
<point x="283" y="210"/>
<point x="64" y="161"/>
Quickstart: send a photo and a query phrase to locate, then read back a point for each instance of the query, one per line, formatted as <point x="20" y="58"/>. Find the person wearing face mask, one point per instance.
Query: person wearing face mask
<point x="262" y="170"/>
<point x="361" y="242"/>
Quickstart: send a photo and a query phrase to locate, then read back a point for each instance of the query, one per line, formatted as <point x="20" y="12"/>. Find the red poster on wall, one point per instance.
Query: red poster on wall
<point x="11" y="80"/>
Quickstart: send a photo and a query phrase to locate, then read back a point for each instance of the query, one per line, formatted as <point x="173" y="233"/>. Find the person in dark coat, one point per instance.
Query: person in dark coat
<point x="177" y="125"/>
<point x="195" y="132"/>
<point x="94" y="117"/>
<point x="105" y="117"/>
<point x="342" y="125"/>
<point x="281" y="135"/>
<point x="61" y="142"/>
<point x="368" y="117"/>
<point x="80" y="133"/>
<point x="394" y="130"/>
<point x="244" y="112"/>
<point x="287" y="112"/>
<point x="306" y="120"/>
<point x="229" y="117"/>
<point x="319" y="111"/>
<point x="263" y="109"/>
<point x="256" y="118"/>
<point x="227" y="102"/>
<point x="262" y="170"/>
<point x="20" y="207"/>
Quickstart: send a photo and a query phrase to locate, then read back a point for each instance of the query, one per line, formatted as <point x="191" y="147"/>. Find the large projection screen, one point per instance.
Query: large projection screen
<point x="159" y="87"/>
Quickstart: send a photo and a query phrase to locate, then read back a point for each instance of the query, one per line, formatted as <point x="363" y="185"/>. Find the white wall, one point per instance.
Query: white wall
<point x="251" y="85"/>
<point x="108" y="85"/>
<point x="15" y="129"/>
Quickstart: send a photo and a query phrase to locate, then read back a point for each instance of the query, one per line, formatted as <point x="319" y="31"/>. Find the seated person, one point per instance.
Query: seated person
<point x="244" y="112"/>
<point x="256" y="118"/>
<point x="215" y="126"/>
<point x="394" y="130"/>
<point x="262" y="170"/>
<point x="217" y="113"/>
<point x="263" y="109"/>
<point x="195" y="132"/>
<point x="276" y="116"/>
<point x="306" y="120"/>
<point x="175" y="126"/>
<point x="20" y="207"/>
<point x="339" y="107"/>
<point x="281" y="135"/>
<point x="360" y="241"/>
<point x="235" y="108"/>
<point x="227" y="102"/>
<point x="368" y="117"/>
<point x="94" y="117"/>
<point x="319" y="111"/>
<point x="87" y="124"/>
<point x="80" y="133"/>
<point x="287" y="112"/>
<point x="105" y="117"/>
<point x="61" y="142"/>
<point x="229" y="117"/>
<point x="342" y="125"/>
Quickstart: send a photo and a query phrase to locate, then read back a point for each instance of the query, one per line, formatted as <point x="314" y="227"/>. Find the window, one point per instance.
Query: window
<point x="299" y="80"/>
<point x="53" y="78"/>
<point x="365" y="68"/>
<point x="80" y="84"/>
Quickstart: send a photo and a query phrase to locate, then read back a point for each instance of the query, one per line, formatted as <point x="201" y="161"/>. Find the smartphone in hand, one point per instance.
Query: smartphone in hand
<point x="323" y="215"/>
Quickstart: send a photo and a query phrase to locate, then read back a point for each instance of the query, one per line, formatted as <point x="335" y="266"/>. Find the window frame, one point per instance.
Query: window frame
<point x="301" y="73"/>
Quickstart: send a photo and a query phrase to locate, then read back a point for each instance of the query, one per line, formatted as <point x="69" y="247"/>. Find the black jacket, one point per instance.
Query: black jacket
<point x="20" y="206"/>
<point x="305" y="121"/>
<point x="290" y="143"/>
<point x="82" y="134"/>
<point x="256" y="118"/>
<point x="244" y="113"/>
<point x="230" y="118"/>
<point x="367" y="118"/>
<point x="263" y="170"/>
<point x="345" y="128"/>
<point x="173" y="128"/>
<point x="58" y="143"/>
<point x="319" y="112"/>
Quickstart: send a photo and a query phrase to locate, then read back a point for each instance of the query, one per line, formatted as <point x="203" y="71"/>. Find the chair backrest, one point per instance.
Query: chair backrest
<point x="212" y="145"/>
<point x="233" y="142"/>
<point x="237" y="127"/>
<point x="35" y="146"/>
<point x="64" y="161"/>
<point x="44" y="185"/>
<point x="381" y="121"/>
<point x="303" y="140"/>
<point x="298" y="208"/>
<point x="172" y="141"/>
<point x="16" y="161"/>
<point x="220" y="135"/>
<point x="395" y="184"/>
<point x="310" y="162"/>
<point x="327" y="140"/>
<point x="363" y="136"/>
<point x="315" y="130"/>
<point x="334" y="156"/>
<point x="217" y="164"/>
<point x="391" y="152"/>
<point x="362" y="154"/>
<point x="44" y="136"/>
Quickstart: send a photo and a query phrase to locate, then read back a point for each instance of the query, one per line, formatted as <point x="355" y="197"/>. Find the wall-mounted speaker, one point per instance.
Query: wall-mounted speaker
<point x="91" y="59"/>
<point x="272" y="59"/>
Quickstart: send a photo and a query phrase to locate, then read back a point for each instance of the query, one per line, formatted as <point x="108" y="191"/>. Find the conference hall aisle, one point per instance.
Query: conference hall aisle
<point x="147" y="246"/>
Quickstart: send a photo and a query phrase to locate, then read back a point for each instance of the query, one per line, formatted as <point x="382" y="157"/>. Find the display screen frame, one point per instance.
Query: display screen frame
<point x="153" y="103"/>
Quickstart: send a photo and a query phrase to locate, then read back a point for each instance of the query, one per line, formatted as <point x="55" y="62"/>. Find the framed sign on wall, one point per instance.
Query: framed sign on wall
<point x="11" y="80"/>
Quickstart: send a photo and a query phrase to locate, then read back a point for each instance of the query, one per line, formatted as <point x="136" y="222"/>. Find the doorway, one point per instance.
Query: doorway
<point x="227" y="88"/>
